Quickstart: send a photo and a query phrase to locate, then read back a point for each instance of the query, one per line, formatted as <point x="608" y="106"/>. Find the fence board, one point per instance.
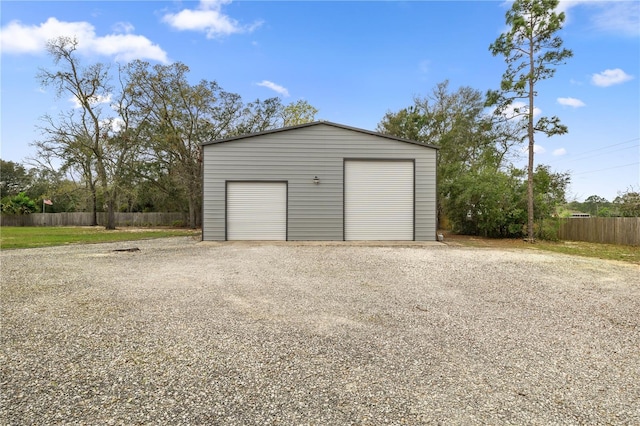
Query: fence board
<point x="609" y="230"/>
<point x="84" y="219"/>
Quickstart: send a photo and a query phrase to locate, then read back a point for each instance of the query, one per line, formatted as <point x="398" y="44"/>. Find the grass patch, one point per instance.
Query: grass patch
<point x="29" y="237"/>
<point x="629" y="254"/>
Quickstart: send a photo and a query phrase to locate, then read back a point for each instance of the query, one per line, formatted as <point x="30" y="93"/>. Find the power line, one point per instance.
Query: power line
<point x="595" y="155"/>
<point x="608" y="168"/>
<point x="609" y="146"/>
<point x="581" y="155"/>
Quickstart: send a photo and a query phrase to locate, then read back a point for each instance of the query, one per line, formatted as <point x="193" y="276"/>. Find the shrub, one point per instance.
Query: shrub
<point x="18" y="204"/>
<point x="548" y="229"/>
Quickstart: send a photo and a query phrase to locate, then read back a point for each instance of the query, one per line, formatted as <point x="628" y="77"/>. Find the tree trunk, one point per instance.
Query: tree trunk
<point x="94" y="205"/>
<point x="530" y="235"/>
<point x="109" y="195"/>
<point x="530" y="130"/>
<point x="192" y="212"/>
<point x="195" y="193"/>
<point x="111" y="214"/>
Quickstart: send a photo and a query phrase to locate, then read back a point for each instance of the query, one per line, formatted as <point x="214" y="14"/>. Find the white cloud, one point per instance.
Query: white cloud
<point x="559" y="151"/>
<point x="538" y="149"/>
<point x="519" y="109"/>
<point x="117" y="124"/>
<point x="95" y="100"/>
<point x="127" y="47"/>
<point x="208" y="18"/>
<point x="123" y="27"/>
<point x="617" y="17"/>
<point x="18" y="38"/>
<point x="610" y="77"/>
<point x="565" y="5"/>
<point x="572" y="102"/>
<point x="114" y="124"/>
<point x="621" y="17"/>
<point x="275" y="87"/>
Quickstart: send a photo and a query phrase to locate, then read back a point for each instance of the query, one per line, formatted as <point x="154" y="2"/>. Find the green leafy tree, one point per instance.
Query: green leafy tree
<point x="61" y="142"/>
<point x="628" y="203"/>
<point x="493" y="203"/>
<point x="19" y="204"/>
<point x="488" y="203"/>
<point x="605" y="212"/>
<point x="68" y="196"/>
<point x="135" y="145"/>
<point x="176" y="117"/>
<point x="550" y="195"/>
<point x="408" y="123"/>
<point x="299" y="112"/>
<point x="550" y="191"/>
<point x="531" y="49"/>
<point x="42" y="183"/>
<point x="14" y="178"/>
<point x="593" y="203"/>
<point x="470" y="141"/>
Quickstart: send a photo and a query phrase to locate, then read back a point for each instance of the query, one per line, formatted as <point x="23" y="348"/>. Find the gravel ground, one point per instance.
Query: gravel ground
<point x="184" y="332"/>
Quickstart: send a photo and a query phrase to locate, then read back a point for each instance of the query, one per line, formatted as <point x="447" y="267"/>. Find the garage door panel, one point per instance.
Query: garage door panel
<point x="256" y="210"/>
<point x="379" y="200"/>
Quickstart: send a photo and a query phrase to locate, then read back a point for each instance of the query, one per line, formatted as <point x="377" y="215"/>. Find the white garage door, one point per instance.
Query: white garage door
<point x="378" y="200"/>
<point x="256" y="211"/>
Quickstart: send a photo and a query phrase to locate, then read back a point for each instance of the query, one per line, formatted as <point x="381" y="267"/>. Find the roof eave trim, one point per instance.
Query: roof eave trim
<point x="315" y="123"/>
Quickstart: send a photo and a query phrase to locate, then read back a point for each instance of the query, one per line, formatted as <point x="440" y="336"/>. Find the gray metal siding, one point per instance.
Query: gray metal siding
<point x="297" y="155"/>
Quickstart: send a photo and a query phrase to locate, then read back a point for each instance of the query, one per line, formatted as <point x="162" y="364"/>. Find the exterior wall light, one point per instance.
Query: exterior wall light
<point x="316" y="180"/>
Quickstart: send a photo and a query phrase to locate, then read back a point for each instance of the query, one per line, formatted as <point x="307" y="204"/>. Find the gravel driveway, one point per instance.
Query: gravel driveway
<point x="185" y="332"/>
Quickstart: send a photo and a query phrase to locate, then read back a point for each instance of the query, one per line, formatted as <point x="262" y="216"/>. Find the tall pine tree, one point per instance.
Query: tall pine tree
<point x="531" y="49"/>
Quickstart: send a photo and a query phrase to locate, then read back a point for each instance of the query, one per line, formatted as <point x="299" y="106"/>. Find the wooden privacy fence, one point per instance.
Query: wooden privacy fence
<point x="84" y="219"/>
<point x="610" y="230"/>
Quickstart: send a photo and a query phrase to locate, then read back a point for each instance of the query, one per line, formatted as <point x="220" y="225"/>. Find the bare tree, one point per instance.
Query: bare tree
<point x="85" y="138"/>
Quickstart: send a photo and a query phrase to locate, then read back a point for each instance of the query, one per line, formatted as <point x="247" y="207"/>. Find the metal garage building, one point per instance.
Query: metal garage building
<point x="319" y="181"/>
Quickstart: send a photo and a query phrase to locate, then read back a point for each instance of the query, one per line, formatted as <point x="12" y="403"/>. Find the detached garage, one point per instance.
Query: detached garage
<point x="319" y="181"/>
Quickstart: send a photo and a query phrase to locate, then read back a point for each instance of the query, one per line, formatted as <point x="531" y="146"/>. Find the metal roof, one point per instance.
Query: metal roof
<point x="315" y="123"/>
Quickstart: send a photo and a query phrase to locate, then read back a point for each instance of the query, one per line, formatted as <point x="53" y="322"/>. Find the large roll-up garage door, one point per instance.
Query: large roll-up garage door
<point x="256" y="210"/>
<point x="379" y="200"/>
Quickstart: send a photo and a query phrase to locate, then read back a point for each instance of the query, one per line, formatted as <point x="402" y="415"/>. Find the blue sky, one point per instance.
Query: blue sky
<point x="354" y="61"/>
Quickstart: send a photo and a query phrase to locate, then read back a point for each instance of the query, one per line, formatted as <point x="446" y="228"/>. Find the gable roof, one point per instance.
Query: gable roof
<point x="327" y="123"/>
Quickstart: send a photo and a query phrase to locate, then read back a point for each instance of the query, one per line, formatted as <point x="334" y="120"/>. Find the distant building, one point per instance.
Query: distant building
<point x="578" y="214"/>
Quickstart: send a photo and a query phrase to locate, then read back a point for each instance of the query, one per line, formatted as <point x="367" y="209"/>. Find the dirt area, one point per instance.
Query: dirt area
<point x="188" y="332"/>
<point x="468" y="240"/>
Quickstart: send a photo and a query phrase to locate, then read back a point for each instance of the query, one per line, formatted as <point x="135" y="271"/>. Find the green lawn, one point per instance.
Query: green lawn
<point x="630" y="254"/>
<point x="27" y="237"/>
